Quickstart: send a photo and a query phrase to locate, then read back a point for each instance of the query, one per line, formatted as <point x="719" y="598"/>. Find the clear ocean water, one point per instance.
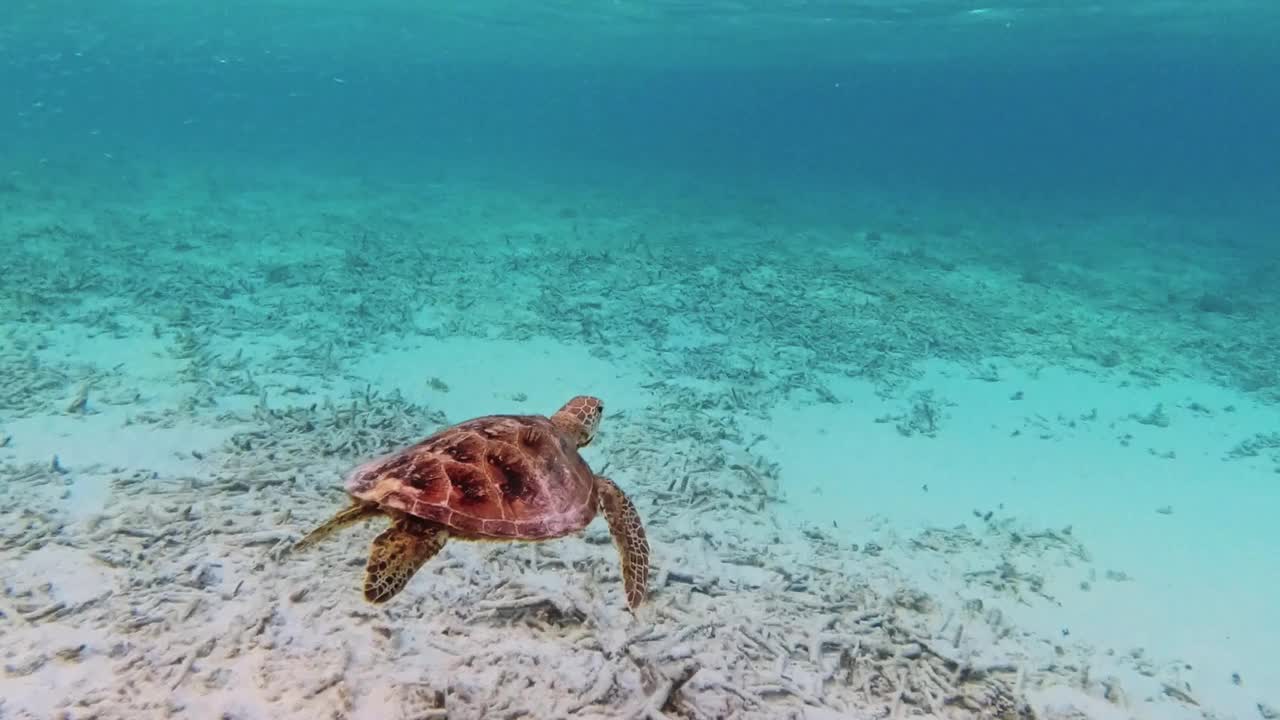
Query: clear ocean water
<point x="937" y="345"/>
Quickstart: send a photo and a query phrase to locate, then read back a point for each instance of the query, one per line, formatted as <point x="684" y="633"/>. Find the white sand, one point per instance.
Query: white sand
<point x="1204" y="575"/>
<point x="1198" y="595"/>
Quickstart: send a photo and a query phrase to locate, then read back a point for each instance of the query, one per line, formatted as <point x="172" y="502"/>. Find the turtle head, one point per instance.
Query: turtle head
<point x="579" y="418"/>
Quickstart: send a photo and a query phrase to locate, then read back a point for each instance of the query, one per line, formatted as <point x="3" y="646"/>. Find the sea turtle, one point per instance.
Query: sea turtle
<point x="498" y="477"/>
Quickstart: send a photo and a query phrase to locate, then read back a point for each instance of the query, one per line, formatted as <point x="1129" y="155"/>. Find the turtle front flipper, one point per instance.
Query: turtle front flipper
<point x="353" y="514"/>
<point x="397" y="554"/>
<point x="628" y="534"/>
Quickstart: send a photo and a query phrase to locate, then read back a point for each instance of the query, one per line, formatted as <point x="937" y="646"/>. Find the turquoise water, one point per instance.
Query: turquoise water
<point x="931" y="336"/>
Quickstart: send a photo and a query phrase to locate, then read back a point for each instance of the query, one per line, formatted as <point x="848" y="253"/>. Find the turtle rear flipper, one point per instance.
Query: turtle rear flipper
<point x="353" y="514"/>
<point x="628" y="534"/>
<point x="397" y="554"/>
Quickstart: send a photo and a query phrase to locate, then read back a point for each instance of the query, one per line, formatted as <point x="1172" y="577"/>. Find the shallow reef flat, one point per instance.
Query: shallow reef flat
<point x="890" y="465"/>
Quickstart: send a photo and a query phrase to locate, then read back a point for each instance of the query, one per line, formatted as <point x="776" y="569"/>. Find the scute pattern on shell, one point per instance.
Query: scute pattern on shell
<point x="501" y="476"/>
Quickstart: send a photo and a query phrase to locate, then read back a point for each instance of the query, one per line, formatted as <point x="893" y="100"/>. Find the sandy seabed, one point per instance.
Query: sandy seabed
<point x="889" y="469"/>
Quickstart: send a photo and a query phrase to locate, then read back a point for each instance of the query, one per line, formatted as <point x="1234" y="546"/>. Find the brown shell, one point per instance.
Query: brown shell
<point x="501" y="476"/>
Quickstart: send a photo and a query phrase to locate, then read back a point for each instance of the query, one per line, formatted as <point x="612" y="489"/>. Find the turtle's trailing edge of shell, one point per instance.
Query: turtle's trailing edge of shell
<point x="498" y="477"/>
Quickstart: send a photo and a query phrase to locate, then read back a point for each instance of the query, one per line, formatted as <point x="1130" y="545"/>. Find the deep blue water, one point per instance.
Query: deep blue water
<point x="1194" y="125"/>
